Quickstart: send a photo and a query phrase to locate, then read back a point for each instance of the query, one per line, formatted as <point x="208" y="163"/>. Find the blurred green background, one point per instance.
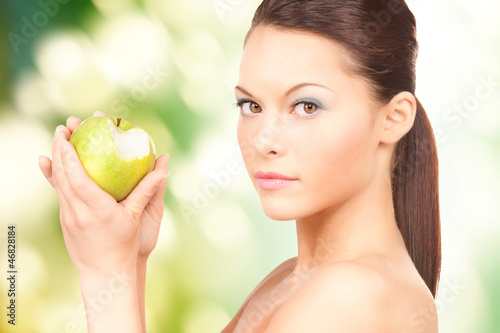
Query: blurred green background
<point x="170" y="67"/>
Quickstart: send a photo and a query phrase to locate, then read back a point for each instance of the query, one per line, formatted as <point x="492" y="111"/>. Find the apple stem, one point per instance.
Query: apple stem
<point x="118" y="120"/>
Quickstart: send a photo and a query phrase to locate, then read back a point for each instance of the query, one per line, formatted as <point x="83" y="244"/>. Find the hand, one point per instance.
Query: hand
<point x="100" y="233"/>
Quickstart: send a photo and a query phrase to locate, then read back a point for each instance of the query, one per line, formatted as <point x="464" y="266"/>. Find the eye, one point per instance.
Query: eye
<point x="248" y="107"/>
<point x="305" y="108"/>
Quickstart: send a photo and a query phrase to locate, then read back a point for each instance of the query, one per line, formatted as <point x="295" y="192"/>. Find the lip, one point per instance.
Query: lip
<point x="273" y="180"/>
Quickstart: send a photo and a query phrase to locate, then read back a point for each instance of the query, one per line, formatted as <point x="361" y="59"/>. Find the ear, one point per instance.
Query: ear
<point x="399" y="115"/>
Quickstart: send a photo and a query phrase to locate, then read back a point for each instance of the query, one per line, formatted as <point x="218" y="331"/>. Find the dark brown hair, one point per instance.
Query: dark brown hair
<point x="380" y="38"/>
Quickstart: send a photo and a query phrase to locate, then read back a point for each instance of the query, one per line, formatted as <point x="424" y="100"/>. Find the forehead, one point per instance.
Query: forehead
<point x="286" y="56"/>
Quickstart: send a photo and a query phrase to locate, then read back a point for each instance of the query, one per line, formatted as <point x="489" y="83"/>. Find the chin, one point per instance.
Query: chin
<point x="278" y="216"/>
<point x="280" y="211"/>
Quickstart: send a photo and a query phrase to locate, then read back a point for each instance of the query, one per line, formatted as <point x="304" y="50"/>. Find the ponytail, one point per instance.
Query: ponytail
<point x="416" y="197"/>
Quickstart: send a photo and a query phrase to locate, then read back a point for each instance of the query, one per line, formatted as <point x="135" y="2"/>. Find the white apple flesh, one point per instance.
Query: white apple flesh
<point x="115" y="153"/>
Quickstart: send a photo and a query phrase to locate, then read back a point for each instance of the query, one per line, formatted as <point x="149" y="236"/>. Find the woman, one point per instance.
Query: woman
<point x="333" y="138"/>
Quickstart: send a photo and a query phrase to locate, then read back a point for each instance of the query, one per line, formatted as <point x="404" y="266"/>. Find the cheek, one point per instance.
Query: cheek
<point x="246" y="138"/>
<point x="338" y="157"/>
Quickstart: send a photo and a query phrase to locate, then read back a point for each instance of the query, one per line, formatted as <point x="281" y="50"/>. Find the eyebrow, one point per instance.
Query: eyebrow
<point x="291" y="90"/>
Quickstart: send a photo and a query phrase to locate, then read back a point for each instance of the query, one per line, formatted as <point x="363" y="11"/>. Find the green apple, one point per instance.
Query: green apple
<point x="115" y="153"/>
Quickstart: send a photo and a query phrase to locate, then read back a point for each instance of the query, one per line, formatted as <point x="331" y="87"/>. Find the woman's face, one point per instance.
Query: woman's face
<point x="305" y="117"/>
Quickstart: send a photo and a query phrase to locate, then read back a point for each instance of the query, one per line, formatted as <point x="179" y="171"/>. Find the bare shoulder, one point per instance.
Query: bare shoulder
<point x="355" y="297"/>
<point x="269" y="281"/>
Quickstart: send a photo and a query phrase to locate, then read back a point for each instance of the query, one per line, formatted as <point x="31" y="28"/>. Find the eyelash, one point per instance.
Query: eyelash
<point x="243" y="101"/>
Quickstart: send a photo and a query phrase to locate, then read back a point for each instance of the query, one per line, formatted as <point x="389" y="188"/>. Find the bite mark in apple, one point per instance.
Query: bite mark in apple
<point x="131" y="143"/>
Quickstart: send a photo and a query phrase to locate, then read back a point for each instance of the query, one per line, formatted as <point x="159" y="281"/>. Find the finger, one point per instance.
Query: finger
<point x="45" y="165"/>
<point x="59" y="178"/>
<point x="67" y="201"/>
<point x="162" y="162"/>
<point x="99" y="113"/>
<point x="144" y="191"/>
<point x="80" y="183"/>
<point x="155" y="206"/>
<point x="72" y="123"/>
<point x="66" y="211"/>
<point x="62" y="132"/>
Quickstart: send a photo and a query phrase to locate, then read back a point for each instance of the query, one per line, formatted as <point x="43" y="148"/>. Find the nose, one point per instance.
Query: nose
<point x="269" y="139"/>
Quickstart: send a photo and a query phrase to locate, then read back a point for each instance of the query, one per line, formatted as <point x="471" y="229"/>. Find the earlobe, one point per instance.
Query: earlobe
<point x="399" y="116"/>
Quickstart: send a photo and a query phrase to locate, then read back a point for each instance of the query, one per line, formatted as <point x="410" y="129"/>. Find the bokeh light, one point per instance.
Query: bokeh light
<point x="171" y="67"/>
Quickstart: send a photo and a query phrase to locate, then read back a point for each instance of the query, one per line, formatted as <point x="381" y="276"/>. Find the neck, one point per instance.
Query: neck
<point x="362" y="225"/>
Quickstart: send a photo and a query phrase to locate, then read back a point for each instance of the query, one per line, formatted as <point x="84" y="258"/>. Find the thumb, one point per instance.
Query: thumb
<point x="138" y="199"/>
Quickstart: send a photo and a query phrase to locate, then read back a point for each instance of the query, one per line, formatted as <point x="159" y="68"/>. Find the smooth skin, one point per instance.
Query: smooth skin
<point x="305" y="115"/>
<point x="108" y="242"/>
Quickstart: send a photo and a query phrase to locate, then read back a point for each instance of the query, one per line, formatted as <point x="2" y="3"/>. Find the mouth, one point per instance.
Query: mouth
<point x="273" y="180"/>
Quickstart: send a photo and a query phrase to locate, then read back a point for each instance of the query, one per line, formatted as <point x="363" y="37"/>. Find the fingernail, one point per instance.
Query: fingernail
<point x="64" y="147"/>
<point x="168" y="174"/>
